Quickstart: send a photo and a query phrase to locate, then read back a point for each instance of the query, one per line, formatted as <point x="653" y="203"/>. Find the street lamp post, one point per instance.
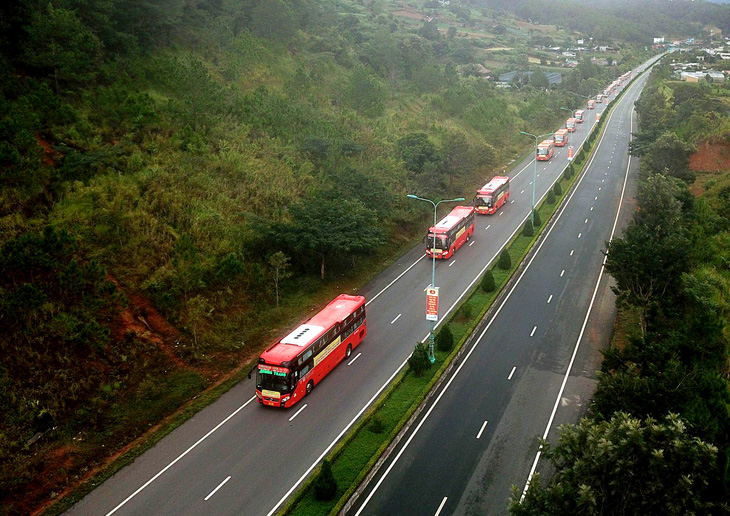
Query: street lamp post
<point x="534" y="170"/>
<point x="431" y="337"/>
<point x="572" y="112"/>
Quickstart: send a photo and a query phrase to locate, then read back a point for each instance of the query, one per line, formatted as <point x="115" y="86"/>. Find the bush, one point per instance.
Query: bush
<point x="488" y="282"/>
<point x="376" y="424"/>
<point x="558" y="190"/>
<point x="325" y="487"/>
<point x="528" y="230"/>
<point x="536" y="221"/>
<point x="419" y="362"/>
<point x="569" y="171"/>
<point x="505" y="261"/>
<point x="550" y="197"/>
<point x="445" y="339"/>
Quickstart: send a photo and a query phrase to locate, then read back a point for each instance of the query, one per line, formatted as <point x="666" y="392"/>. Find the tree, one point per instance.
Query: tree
<point x="550" y="197"/>
<point x="445" y="339"/>
<point x="487" y="283"/>
<point x="364" y="94"/>
<point x="328" y="225"/>
<point x="536" y="220"/>
<point x="527" y="229"/>
<point x="59" y="41"/>
<point x="505" y="261"/>
<point x="648" y="261"/>
<point x="538" y="79"/>
<point x="416" y="150"/>
<point x="669" y="155"/>
<point x="557" y="189"/>
<point x="418" y="361"/>
<point x="325" y="486"/>
<point x="456" y="156"/>
<point x="451" y="32"/>
<point x="623" y="466"/>
<point x="279" y="263"/>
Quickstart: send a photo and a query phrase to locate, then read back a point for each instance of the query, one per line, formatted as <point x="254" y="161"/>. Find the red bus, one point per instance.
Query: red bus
<point x="492" y="196"/>
<point x="579" y="116"/>
<point x="290" y="369"/>
<point x="545" y="150"/>
<point x="570" y="125"/>
<point x="447" y="236"/>
<point x="561" y="137"/>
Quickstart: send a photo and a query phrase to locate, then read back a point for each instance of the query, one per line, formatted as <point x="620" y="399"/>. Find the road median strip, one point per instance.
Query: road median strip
<point x="361" y="453"/>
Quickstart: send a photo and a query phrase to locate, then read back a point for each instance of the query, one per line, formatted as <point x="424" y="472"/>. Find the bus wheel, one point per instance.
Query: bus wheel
<point x="348" y="352"/>
<point x="310" y="386"/>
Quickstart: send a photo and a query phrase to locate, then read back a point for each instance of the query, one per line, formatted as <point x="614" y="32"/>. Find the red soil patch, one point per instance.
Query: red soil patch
<point x="50" y="156"/>
<point x="710" y="157"/>
<point x="141" y="318"/>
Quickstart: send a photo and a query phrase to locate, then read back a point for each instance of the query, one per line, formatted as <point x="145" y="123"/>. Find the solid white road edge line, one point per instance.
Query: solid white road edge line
<point x="115" y="509"/>
<point x="334" y="441"/>
<point x="396" y="279"/>
<point x="585" y="323"/>
<point x="217" y="488"/>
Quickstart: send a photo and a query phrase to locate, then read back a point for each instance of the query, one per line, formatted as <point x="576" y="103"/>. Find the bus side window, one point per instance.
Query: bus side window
<point x="306" y="355"/>
<point x="304" y="370"/>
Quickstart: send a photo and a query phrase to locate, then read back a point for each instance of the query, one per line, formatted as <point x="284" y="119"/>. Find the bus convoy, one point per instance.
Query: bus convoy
<point x="492" y="196"/>
<point x="289" y="369"/>
<point x="450" y="233"/>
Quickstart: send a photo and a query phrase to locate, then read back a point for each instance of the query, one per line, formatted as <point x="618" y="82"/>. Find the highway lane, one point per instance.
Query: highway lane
<point x="478" y="436"/>
<point x="266" y="453"/>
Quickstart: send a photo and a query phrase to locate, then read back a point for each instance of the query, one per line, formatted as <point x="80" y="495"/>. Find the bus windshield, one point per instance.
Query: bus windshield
<point x="542" y="151"/>
<point x="484" y="200"/>
<point x="441" y="241"/>
<point x="272" y="380"/>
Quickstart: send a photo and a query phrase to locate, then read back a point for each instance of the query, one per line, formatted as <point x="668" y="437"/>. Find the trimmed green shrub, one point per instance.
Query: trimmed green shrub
<point x="527" y="229"/>
<point x="558" y="190"/>
<point x="445" y="339"/>
<point x="569" y="171"/>
<point x="505" y="260"/>
<point x="419" y="362"/>
<point x="325" y="487"/>
<point x="376" y="424"/>
<point x="550" y="197"/>
<point x="487" y="283"/>
<point x="536" y="221"/>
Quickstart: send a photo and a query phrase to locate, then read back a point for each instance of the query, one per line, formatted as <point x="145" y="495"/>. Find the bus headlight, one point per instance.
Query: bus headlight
<point x="285" y="399"/>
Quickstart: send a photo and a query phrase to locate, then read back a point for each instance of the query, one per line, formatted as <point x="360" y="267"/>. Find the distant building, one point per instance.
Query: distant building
<point x="702" y="76"/>
<point x="658" y="40"/>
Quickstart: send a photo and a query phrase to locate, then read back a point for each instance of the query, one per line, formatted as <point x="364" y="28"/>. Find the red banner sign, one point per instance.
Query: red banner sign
<point x="432" y="304"/>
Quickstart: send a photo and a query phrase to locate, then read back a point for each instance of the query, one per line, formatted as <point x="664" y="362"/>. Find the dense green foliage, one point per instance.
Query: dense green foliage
<point x="670" y="267"/>
<point x="221" y="166"/>
<point x="624" y="466"/>
<point x="487" y="283"/>
<point x="505" y="260"/>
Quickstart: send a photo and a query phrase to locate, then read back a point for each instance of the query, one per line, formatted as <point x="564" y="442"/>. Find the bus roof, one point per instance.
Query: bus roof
<point x="579" y="111"/>
<point x="493" y="184"/>
<point x="296" y="341"/>
<point x="561" y="131"/>
<point x="452" y="219"/>
<point x="546" y="143"/>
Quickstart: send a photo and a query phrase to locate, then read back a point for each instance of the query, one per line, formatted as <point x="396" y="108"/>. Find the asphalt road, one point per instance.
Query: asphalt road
<point x="478" y="436"/>
<point x="235" y="457"/>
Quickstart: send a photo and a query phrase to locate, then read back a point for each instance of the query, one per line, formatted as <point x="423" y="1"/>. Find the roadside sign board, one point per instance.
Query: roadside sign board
<point x="432" y="304"/>
<point x="570" y="153"/>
